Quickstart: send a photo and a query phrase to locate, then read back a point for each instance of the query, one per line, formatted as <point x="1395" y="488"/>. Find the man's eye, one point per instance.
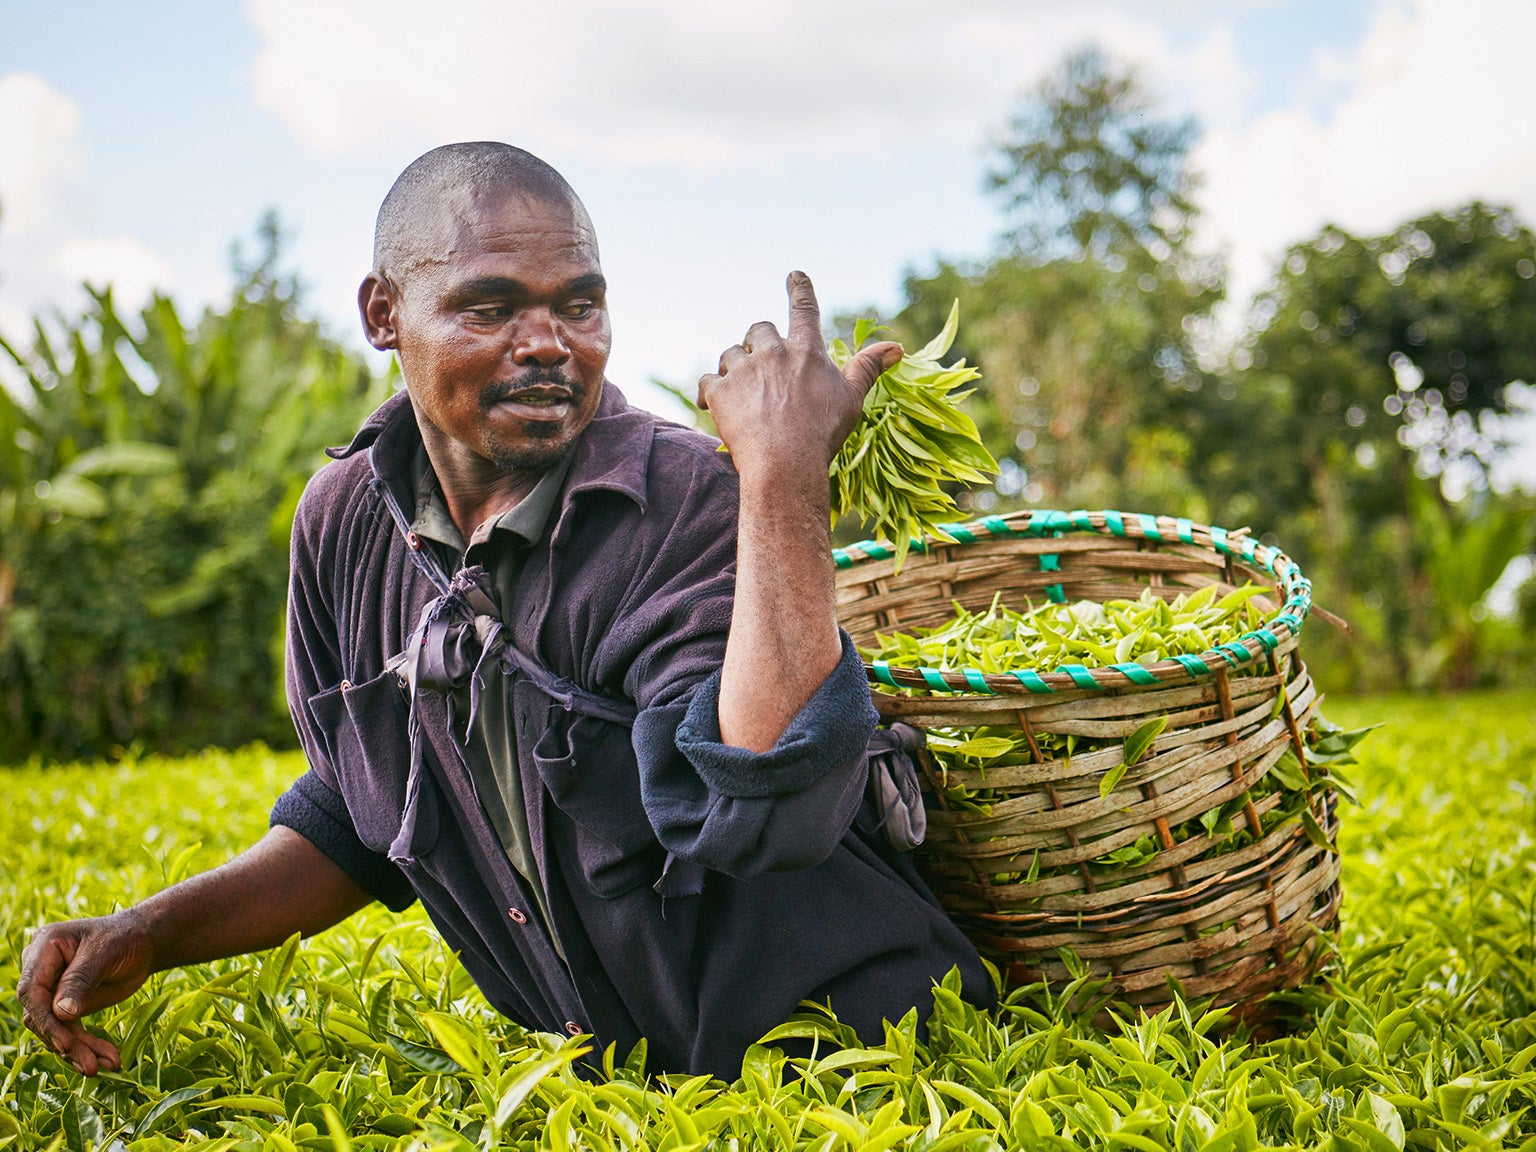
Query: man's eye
<point x="577" y="309"/>
<point x="489" y="312"/>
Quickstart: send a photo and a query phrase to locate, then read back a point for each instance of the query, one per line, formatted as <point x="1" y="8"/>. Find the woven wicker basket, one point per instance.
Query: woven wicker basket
<point x="1233" y="926"/>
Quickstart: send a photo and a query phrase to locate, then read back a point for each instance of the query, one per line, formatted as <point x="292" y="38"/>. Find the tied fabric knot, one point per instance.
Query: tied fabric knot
<point x="457" y="634"/>
<point x="894" y="789"/>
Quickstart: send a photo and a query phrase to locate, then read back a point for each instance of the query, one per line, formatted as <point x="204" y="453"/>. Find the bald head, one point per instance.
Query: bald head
<point x="443" y="186"/>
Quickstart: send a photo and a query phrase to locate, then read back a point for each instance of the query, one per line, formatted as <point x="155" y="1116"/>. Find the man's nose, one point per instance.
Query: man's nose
<point x="539" y="340"/>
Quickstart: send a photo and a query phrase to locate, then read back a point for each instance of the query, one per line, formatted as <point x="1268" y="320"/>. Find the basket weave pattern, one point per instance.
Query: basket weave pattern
<point x="1019" y="879"/>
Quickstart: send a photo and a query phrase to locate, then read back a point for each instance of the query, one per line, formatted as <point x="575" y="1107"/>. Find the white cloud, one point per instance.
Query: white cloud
<point x="42" y="158"/>
<point x="690" y="82"/>
<point x="1434" y="115"/>
<point x="132" y="268"/>
<point x="48" y="244"/>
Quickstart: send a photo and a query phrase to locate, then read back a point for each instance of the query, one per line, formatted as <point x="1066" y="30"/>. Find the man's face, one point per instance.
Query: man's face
<point x="503" y="331"/>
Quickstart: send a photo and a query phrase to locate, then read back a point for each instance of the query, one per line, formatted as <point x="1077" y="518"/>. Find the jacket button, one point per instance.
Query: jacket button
<point x="573" y="1028"/>
<point x="517" y="916"/>
<point x="413" y="541"/>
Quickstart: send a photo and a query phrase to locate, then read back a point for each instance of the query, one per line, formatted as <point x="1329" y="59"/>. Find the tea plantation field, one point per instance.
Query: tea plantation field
<point x="371" y="1037"/>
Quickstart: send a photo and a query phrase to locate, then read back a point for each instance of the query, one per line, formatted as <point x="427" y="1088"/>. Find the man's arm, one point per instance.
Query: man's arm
<point x="783" y="409"/>
<point x="282" y="885"/>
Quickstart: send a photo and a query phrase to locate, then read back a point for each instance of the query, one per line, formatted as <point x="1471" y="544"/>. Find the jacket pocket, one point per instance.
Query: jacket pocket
<point x="588" y="767"/>
<point x="366" y="735"/>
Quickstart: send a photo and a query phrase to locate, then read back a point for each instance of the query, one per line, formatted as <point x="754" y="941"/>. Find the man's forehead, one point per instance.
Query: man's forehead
<point x="469" y="221"/>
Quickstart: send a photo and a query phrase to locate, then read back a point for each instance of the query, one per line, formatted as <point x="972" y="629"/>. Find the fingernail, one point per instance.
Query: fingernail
<point x="68" y="1006"/>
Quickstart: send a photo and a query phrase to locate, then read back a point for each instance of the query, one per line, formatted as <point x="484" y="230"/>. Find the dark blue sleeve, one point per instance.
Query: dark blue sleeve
<point x="319" y="815"/>
<point x="741" y="812"/>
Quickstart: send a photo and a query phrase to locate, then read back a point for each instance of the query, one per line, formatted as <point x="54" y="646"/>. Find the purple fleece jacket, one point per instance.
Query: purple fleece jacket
<point x="699" y="891"/>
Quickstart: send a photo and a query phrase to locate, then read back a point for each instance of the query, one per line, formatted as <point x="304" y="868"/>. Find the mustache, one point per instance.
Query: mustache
<point x="493" y="394"/>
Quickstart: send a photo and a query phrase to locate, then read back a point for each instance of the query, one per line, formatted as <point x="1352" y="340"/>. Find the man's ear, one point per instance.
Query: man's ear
<point x="377" y="301"/>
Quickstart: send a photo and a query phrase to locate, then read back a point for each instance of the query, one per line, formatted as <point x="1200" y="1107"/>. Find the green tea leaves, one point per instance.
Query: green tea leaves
<point x="910" y="441"/>
<point x="1139" y="742"/>
<point x="1421" y="1037"/>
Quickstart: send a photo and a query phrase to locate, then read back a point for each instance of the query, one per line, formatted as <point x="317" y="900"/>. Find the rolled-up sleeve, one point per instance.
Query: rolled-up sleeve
<point x="319" y="815"/>
<point x="742" y="812"/>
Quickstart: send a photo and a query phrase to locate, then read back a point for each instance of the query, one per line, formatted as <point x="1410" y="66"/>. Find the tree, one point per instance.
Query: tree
<point x="1087" y="169"/>
<point x="1085" y="324"/>
<point x="148" y="475"/>
<point x="1369" y="360"/>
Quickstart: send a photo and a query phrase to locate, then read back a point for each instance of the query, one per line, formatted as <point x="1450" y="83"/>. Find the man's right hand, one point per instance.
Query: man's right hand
<point x="78" y="967"/>
<point x="282" y="885"/>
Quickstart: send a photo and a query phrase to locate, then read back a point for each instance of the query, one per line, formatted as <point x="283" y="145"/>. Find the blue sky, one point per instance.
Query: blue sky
<point x="716" y="145"/>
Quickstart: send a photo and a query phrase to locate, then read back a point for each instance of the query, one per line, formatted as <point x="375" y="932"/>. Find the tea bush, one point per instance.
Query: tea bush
<point x="370" y="1036"/>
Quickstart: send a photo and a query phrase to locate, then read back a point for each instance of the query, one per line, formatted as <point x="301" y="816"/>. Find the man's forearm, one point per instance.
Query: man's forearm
<point x="282" y="885"/>
<point x="783" y="409"/>
<point x="783" y="640"/>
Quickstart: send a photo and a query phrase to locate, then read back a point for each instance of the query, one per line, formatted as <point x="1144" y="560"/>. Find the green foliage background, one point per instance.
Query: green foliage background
<point x="369" y="1036"/>
<point x="149" y="470"/>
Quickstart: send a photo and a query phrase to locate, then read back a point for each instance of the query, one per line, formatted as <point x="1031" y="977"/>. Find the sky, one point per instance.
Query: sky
<point x="716" y="145"/>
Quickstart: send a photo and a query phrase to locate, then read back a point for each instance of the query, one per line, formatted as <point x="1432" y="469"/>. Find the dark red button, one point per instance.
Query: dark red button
<point x="414" y="541"/>
<point x="517" y="916"/>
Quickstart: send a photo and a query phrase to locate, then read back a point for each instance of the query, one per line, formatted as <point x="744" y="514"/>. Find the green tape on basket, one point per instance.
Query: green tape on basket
<point x="1081" y="520"/>
<point x="1080" y="675"/>
<point x="934" y="679"/>
<point x="1032" y="681"/>
<point x="1135" y="673"/>
<point x="1050" y="562"/>
<point x="1193" y="665"/>
<point x="1115" y="523"/>
<point x="1248" y="545"/>
<point x="977" y="681"/>
<point x="960" y="532"/>
<point x="874" y="550"/>
<point x="1289" y="620"/>
<point x="997" y="525"/>
<point x="841" y="559"/>
<point x="1056" y="593"/>
<point x="1185" y="527"/>
<point x="1043" y="520"/>
<point x="1265" y="637"/>
<point x="1149" y="526"/>
<point x="882" y="672"/>
<point x="1234" y="652"/>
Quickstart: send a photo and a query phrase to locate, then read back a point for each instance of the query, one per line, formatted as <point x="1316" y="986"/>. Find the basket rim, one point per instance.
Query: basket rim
<point x="1282" y="627"/>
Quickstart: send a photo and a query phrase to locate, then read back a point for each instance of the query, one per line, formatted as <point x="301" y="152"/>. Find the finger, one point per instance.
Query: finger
<point x="761" y="335"/>
<point x="41" y="965"/>
<point x="804" y="312"/>
<point x="864" y="368"/>
<point x="706" y="382"/>
<point x="103" y="1050"/>
<point x="732" y="357"/>
<point x="79" y="980"/>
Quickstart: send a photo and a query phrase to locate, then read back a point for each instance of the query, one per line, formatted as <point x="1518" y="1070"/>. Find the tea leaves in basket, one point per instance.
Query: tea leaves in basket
<point x="911" y="439"/>
<point x="1146" y="630"/>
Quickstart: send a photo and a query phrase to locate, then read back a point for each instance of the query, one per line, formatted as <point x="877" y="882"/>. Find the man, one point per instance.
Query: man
<point x="564" y="672"/>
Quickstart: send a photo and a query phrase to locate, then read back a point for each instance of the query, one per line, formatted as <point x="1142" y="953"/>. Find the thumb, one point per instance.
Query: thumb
<point x="864" y="368"/>
<point x="79" y="979"/>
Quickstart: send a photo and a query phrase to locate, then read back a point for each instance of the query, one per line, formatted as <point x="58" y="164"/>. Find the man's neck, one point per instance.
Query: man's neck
<point x="474" y="489"/>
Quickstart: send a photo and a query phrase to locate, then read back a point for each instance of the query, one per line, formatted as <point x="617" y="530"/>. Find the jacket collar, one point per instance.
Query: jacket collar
<point x="612" y="453"/>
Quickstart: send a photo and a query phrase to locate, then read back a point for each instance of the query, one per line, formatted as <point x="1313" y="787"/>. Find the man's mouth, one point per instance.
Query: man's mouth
<point x="536" y="401"/>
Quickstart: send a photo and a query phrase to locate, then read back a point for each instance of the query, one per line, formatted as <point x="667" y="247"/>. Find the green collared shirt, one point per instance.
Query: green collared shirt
<point x="500" y="545"/>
